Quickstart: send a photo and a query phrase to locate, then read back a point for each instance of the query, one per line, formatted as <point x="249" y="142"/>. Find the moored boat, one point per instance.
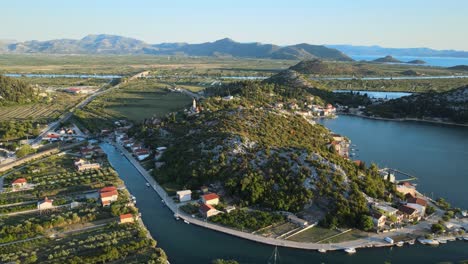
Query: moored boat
<point x="322" y="250"/>
<point x="411" y="242"/>
<point x="399" y="244"/>
<point x="350" y="250"/>
<point x="187" y="222"/>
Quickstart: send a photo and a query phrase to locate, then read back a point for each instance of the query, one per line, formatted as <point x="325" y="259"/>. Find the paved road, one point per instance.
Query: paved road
<point x="66" y="116"/>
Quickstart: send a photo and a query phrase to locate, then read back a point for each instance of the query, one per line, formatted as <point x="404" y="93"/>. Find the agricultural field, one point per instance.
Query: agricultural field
<point x="77" y="229"/>
<point x="134" y="101"/>
<point x="38" y="112"/>
<point x="130" y="64"/>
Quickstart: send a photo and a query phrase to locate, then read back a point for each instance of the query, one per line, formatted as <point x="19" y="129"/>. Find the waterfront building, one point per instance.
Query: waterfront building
<point x="184" y="196"/>
<point x="126" y="218"/>
<point x="108" y="195"/>
<point x="208" y="210"/>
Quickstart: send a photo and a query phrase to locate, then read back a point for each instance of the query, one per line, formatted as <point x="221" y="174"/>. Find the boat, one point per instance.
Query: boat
<point x="411" y="242"/>
<point x="350" y="250"/>
<point x="389" y="240"/>
<point x="147" y="184"/>
<point x="322" y="250"/>
<point x="431" y="242"/>
<point x="442" y="241"/>
<point x="451" y="239"/>
<point x="465" y="238"/>
<point x="187" y="222"/>
<point x="176" y="216"/>
<point x="399" y="244"/>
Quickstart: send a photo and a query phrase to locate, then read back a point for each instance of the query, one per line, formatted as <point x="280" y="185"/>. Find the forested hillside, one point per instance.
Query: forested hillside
<point x="15" y="91"/>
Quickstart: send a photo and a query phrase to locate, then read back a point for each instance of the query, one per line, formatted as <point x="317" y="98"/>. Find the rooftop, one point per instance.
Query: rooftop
<point x="210" y="196"/>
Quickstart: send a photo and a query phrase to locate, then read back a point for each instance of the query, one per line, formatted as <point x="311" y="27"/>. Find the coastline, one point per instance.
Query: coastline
<point x="372" y="241"/>
<point x="405" y="119"/>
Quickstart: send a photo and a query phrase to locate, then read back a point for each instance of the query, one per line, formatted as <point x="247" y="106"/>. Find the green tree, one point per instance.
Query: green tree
<point x="366" y="223"/>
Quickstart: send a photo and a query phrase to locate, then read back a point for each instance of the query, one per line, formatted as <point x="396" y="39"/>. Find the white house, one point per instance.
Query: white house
<point x="185" y="195"/>
<point x="46" y="204"/>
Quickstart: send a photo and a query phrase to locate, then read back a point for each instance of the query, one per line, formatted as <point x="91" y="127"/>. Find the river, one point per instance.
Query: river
<point x="411" y="147"/>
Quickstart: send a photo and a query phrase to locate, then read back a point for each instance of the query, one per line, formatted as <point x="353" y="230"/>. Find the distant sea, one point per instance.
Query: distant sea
<point x="430" y="61"/>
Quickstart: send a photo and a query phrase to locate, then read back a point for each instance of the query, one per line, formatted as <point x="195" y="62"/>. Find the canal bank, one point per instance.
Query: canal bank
<point x="191" y="244"/>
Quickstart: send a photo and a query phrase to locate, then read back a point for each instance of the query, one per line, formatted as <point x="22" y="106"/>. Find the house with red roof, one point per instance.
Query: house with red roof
<point x="409" y="213"/>
<point x="208" y="210"/>
<point x="417" y="200"/>
<point x="126" y="218"/>
<point x="108" y="195"/>
<point x="19" y="183"/>
<point x="210" y="199"/>
<point x="45" y="204"/>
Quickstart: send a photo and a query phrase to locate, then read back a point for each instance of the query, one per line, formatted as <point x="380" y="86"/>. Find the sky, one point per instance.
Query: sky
<point x="412" y="23"/>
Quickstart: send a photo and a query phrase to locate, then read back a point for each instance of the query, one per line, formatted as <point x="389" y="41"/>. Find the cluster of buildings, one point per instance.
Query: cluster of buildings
<point x="309" y="110"/>
<point x="412" y="209"/>
<point x="207" y="205"/>
<point x="91" y="151"/>
<point x="137" y="148"/>
<point x="340" y="145"/>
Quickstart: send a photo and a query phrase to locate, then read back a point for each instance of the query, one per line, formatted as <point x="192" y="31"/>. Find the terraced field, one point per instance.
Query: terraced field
<point x="40" y="111"/>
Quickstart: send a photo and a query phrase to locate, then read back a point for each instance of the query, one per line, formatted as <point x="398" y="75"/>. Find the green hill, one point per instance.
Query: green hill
<point x="449" y="106"/>
<point x="262" y="157"/>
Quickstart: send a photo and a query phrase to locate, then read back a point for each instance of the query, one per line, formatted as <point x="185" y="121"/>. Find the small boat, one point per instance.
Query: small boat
<point x="465" y="238"/>
<point x="176" y="216"/>
<point x="322" y="250"/>
<point x="399" y="244"/>
<point x="187" y="222"/>
<point x="442" y="241"/>
<point x="431" y="242"/>
<point x="350" y="250"/>
<point x="451" y="239"/>
<point x="411" y="242"/>
<point x="147" y="184"/>
<point x="459" y="238"/>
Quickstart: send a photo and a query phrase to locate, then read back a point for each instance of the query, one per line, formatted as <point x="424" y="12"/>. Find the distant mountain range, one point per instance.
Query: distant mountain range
<point x="111" y="44"/>
<point x="381" y="51"/>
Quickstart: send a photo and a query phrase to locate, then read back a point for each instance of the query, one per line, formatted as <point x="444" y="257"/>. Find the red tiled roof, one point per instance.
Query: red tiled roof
<point x="106" y="202"/>
<point x="406" y="209"/>
<point x="417" y="201"/>
<point x="20" y="180"/>
<point x="109" y="194"/>
<point x="210" y="196"/>
<point x="108" y="189"/>
<point x="126" y="216"/>
<point x="53" y="136"/>
<point x="206" y="207"/>
<point x="47" y="200"/>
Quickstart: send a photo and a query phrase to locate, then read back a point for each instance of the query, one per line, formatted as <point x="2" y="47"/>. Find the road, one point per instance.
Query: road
<point x="52" y="126"/>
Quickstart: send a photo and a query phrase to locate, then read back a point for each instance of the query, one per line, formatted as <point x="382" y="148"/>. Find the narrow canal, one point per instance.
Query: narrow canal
<point x="191" y="244"/>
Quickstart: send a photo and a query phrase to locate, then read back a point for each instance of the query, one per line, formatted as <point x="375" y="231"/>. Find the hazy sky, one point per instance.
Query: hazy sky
<point x="440" y="24"/>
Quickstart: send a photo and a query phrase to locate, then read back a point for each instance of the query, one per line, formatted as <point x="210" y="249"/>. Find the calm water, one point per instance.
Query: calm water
<point x="430" y="61"/>
<point x="436" y="154"/>
<point x="191" y="244"/>
<point x="377" y="95"/>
